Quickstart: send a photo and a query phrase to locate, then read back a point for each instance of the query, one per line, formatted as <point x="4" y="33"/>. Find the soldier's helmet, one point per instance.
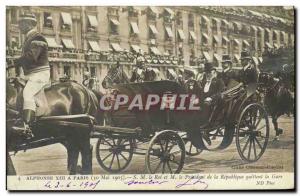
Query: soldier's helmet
<point x="27" y="16"/>
<point x="245" y="55"/>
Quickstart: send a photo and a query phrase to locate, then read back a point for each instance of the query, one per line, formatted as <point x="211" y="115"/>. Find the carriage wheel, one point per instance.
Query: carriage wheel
<point x="166" y="153"/>
<point x="252" y="132"/>
<point x="114" y="154"/>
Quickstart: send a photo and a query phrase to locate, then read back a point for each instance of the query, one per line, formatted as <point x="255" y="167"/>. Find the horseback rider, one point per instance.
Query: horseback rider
<point x="249" y="73"/>
<point x="227" y="73"/>
<point x="35" y="66"/>
<point x="138" y="74"/>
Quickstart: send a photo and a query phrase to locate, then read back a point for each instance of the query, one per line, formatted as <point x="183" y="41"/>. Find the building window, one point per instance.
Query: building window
<point x="152" y="31"/>
<point x="134" y="29"/>
<point x="266" y="36"/>
<point x="214" y="24"/>
<point x="133" y="12"/>
<point x="274" y="36"/>
<point x="92" y="23"/>
<point x="48" y="20"/>
<point x="152" y="13"/>
<point x="204" y="39"/>
<point x="114" y="24"/>
<point x="191" y="21"/>
<point x="67" y="71"/>
<point x="204" y="22"/>
<point x="236" y="27"/>
<point x="93" y="71"/>
<point x="179" y="19"/>
<point x="66" y="21"/>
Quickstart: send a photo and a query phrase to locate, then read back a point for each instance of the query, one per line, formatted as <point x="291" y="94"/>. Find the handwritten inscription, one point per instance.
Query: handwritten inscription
<point x="71" y="184"/>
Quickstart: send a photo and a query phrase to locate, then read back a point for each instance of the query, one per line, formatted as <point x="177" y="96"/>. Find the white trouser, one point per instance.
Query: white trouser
<point x="36" y="81"/>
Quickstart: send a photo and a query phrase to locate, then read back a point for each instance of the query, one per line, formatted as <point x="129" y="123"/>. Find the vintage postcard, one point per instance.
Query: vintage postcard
<point x="150" y="98"/>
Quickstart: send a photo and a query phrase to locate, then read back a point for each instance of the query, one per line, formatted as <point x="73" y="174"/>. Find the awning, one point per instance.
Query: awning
<point x="135" y="27"/>
<point x="225" y="22"/>
<point x="153" y="29"/>
<point x="246" y="43"/>
<point x="238" y="25"/>
<point x="169" y="11"/>
<point x="225" y="38"/>
<point x="268" y="30"/>
<point x="260" y="59"/>
<point x="193" y="35"/>
<point x="115" y="22"/>
<point x="255" y="60"/>
<point x="237" y="57"/>
<point x="261" y="29"/>
<point x="255" y="13"/>
<point x="276" y="46"/>
<point x="153" y="9"/>
<point x="136" y="48"/>
<point x="93" y="20"/>
<point x="172" y="72"/>
<point x="155" y="50"/>
<point x="217" y="57"/>
<point x="116" y="47"/>
<point x="237" y="41"/>
<point x="181" y="34"/>
<point x="254" y="27"/>
<point x="283" y="33"/>
<point x="68" y="43"/>
<point x="216" y="39"/>
<point x="51" y="42"/>
<point x="95" y="46"/>
<point x="216" y="20"/>
<point x="206" y="56"/>
<point x="66" y="17"/>
<point x="276" y="31"/>
<point x="205" y="18"/>
<point x="268" y="45"/>
<point x="205" y="35"/>
<point x="169" y="32"/>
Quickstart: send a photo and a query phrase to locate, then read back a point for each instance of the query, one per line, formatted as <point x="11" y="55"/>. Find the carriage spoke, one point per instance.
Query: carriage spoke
<point x="169" y="167"/>
<point x="190" y="149"/>
<point x="167" y="143"/>
<point x="254" y="149"/>
<point x="108" y="143"/>
<point x="249" y="152"/>
<point x="258" y="121"/>
<point x="158" y="166"/>
<point x="261" y="128"/>
<point x="173" y="161"/>
<point x="246" y="145"/>
<point x="124" y="157"/>
<point x="112" y="160"/>
<point x="258" y="143"/>
<point x="163" y="169"/>
<point x="106" y="157"/>
<point x="118" y="161"/>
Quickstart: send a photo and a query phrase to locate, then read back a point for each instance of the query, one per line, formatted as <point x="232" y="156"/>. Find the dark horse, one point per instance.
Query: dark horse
<point x="61" y="98"/>
<point x="278" y="98"/>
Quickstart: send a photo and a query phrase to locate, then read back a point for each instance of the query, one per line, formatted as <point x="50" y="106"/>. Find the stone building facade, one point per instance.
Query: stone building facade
<point x="80" y="37"/>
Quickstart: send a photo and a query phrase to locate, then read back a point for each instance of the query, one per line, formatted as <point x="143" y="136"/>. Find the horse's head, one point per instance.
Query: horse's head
<point x="115" y="75"/>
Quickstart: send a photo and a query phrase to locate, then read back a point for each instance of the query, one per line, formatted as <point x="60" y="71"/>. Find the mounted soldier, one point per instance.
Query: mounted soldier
<point x="249" y="73"/>
<point x="34" y="64"/>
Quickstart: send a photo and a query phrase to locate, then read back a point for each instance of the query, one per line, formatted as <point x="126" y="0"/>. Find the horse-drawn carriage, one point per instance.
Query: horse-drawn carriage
<point x="160" y="135"/>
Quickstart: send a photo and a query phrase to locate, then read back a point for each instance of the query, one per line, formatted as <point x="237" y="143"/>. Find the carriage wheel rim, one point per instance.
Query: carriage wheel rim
<point x="252" y="141"/>
<point x="115" y="154"/>
<point x="164" y="164"/>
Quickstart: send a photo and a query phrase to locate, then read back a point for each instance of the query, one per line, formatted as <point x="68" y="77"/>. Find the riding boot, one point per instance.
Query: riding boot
<point x="28" y="118"/>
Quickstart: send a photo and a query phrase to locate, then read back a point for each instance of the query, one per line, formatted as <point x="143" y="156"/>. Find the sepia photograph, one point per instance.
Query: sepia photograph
<point x="150" y="97"/>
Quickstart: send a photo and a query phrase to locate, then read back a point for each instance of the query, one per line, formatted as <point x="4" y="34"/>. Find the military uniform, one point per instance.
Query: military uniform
<point x="227" y="73"/>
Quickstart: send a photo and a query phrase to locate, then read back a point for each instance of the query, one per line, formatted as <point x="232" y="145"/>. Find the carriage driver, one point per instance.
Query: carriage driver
<point x="34" y="64"/>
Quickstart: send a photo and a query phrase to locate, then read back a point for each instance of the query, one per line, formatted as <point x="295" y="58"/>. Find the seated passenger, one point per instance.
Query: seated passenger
<point x="227" y="73"/>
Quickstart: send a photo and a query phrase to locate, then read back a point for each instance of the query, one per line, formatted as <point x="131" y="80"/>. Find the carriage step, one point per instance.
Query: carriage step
<point x="66" y="117"/>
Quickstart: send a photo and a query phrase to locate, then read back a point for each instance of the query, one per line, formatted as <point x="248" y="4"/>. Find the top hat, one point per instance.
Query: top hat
<point x="208" y="67"/>
<point x="28" y="17"/>
<point x="226" y="58"/>
<point x="245" y="55"/>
